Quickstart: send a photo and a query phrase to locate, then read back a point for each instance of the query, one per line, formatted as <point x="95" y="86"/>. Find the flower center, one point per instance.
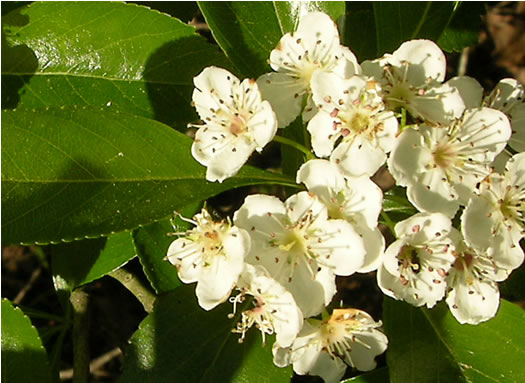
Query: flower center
<point x="294" y="242"/>
<point x="408" y="259"/>
<point x="444" y="156"/>
<point x="463" y="261"/>
<point x="399" y="96"/>
<point x="237" y="125"/>
<point x="359" y="122"/>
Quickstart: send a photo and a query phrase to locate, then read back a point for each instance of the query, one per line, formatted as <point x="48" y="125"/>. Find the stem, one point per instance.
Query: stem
<point x="135" y="286"/>
<point x="80" y="303"/>
<point x="388" y="222"/>
<point x="293" y="144"/>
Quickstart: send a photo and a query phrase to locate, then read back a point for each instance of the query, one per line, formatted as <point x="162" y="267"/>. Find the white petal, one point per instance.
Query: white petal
<point x="363" y="358"/>
<point x="227" y="160"/>
<point x="474" y="305"/>
<point x="424" y="227"/>
<point x="517" y="120"/>
<point x="477" y="222"/>
<point x="426" y="58"/>
<point x="364" y="200"/>
<point x="486" y="128"/>
<point x="507" y="92"/>
<point x="213" y="84"/>
<point x="327" y="279"/>
<point x="320" y="175"/>
<point x="316" y="362"/>
<point x="263" y="125"/>
<point x="315" y="27"/>
<point x="358" y="157"/>
<point x="298" y="205"/>
<point x="328" y="88"/>
<point x="185" y="254"/>
<point x="386" y="281"/>
<point x="284" y="93"/>
<point x="440" y="103"/>
<point x="309" y="294"/>
<point x="342" y="248"/>
<point x="469" y="89"/>
<point x="408" y="157"/>
<point x="374" y="243"/>
<point x="432" y="194"/>
<point x="323" y="135"/>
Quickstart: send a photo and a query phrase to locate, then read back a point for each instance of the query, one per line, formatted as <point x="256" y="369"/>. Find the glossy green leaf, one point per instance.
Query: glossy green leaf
<point x="375" y="28"/>
<point x="24" y="359"/>
<point x="81" y="262"/>
<point x="379" y="375"/>
<point x="182" y="10"/>
<point x="181" y="342"/>
<point x="247" y="31"/>
<point x="118" y="56"/>
<point x="431" y="346"/>
<point x="463" y="30"/>
<point x="152" y="242"/>
<point x="75" y="173"/>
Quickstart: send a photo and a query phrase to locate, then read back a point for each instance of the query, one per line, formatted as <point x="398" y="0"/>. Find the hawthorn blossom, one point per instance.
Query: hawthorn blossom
<point x="350" y="111"/>
<point x="355" y="199"/>
<point x="412" y="77"/>
<point x="299" y="246"/>
<point x="313" y="47"/>
<point x="211" y="254"/>
<point x="494" y="219"/>
<point x="415" y="265"/>
<point x="472" y="289"/>
<point x="274" y="311"/>
<point x="442" y="165"/>
<point x="507" y="97"/>
<point x="236" y="122"/>
<point x="324" y="348"/>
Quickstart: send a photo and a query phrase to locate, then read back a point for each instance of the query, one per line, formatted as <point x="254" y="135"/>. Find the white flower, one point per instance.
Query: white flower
<point x="472" y="291"/>
<point x="314" y="46"/>
<point x="355" y="199"/>
<point x="211" y="254"/>
<point x="236" y="122"/>
<point x="351" y="111"/>
<point x="442" y="165"/>
<point x="494" y="220"/>
<point x="323" y="347"/>
<point x="411" y="78"/>
<point x="274" y="308"/>
<point x="299" y="246"/>
<point x="416" y="264"/>
<point x="509" y="97"/>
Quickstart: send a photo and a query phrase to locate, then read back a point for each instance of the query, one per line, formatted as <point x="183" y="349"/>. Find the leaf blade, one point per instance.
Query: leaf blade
<point x="436" y="346"/>
<point x="22" y="347"/>
<point x="84" y="173"/>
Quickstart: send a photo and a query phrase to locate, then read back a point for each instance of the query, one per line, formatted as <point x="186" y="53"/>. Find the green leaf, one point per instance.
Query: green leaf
<point x="180" y="342"/>
<point x="247" y="31"/>
<point x="379" y="375"/>
<point x="118" y="56"/>
<point x="373" y="29"/>
<point x="183" y="10"/>
<point x="463" y="30"/>
<point x="431" y="346"/>
<point x="80" y="262"/>
<point x="152" y="242"/>
<point x="76" y="173"/>
<point x="24" y="359"/>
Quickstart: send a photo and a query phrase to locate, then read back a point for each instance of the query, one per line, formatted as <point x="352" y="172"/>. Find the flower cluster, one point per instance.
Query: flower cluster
<point x="442" y="141"/>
